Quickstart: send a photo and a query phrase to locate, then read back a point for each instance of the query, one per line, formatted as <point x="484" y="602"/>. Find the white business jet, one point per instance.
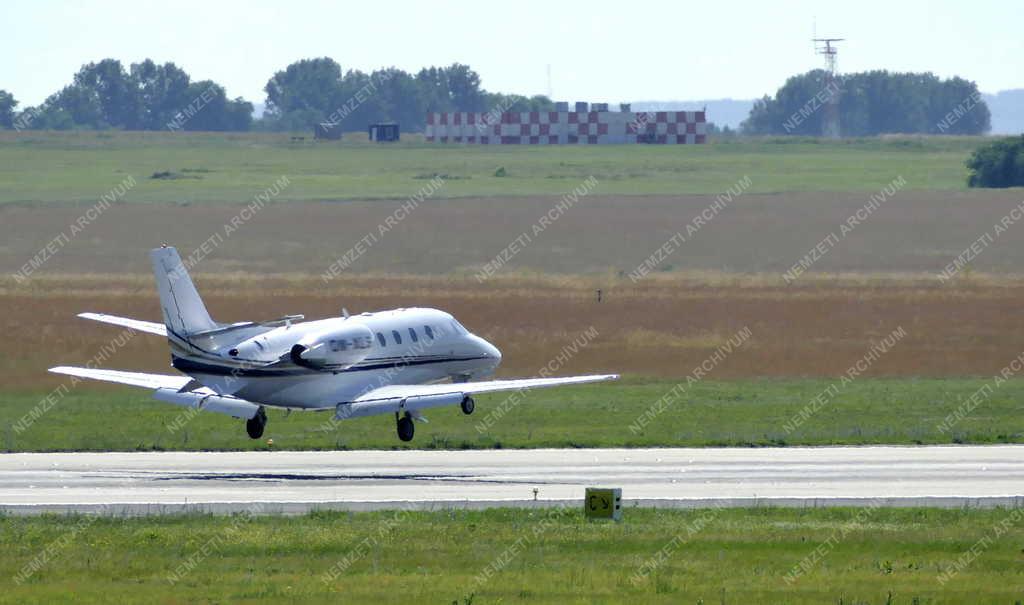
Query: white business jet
<point x="389" y="362"/>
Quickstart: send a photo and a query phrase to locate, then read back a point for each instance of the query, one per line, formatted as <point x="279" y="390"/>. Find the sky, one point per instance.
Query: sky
<point x="596" y="51"/>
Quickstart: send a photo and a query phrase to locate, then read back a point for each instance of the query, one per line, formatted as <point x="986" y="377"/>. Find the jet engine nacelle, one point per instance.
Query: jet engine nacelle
<point x="334" y="349"/>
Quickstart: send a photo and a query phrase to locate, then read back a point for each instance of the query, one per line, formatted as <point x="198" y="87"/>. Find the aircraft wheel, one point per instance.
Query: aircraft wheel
<point x="255" y="425"/>
<point x="405" y="428"/>
<point x="468" y="405"/>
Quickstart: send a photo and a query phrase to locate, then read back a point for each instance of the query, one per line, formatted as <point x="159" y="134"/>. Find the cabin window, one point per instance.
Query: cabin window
<point x="412" y="335"/>
<point x="428" y="332"/>
<point x="380" y="339"/>
<point x="397" y="336"/>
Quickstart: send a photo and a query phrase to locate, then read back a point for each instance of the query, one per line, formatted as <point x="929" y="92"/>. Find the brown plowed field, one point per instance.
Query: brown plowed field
<point x="726" y="277"/>
<point x="663" y="326"/>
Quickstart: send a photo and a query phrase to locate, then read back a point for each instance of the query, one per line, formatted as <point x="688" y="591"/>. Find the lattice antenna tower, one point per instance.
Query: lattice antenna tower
<point x="826" y="48"/>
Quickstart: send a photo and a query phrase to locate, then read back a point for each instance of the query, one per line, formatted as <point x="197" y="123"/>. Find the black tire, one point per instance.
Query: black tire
<point x="255" y="425"/>
<point x="406" y="430"/>
<point x="468" y="405"/>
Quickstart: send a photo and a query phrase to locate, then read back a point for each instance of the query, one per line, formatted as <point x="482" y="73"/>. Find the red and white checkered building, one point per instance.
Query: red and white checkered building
<point x="568" y="128"/>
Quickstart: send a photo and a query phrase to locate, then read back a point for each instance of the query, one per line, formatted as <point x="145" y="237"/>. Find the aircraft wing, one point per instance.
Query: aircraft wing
<point x="135" y="379"/>
<point x="135" y="324"/>
<point x="399" y="391"/>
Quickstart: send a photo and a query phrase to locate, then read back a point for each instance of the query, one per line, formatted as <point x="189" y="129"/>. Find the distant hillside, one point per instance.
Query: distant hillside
<point x="1007" y="107"/>
<point x="723" y="112"/>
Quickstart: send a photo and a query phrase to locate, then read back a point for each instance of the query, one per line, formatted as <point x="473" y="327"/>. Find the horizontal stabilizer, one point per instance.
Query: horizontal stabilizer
<point x="135" y="379"/>
<point x="135" y="324"/>
<point x="168" y="389"/>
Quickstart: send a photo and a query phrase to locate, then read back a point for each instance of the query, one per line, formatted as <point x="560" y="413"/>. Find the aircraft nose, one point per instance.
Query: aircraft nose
<point x="490" y="351"/>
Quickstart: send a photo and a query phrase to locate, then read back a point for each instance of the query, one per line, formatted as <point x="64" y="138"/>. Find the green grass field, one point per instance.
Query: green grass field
<point x="734" y="413"/>
<point x="78" y="167"/>
<point x="511" y="556"/>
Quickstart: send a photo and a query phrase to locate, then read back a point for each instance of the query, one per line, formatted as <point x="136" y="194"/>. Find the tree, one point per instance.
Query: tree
<point x="357" y="102"/>
<point x="306" y="85"/>
<point x="433" y="84"/>
<point x="872" y="103"/>
<point x="209" y="109"/>
<point x="501" y="102"/>
<point x="148" y="96"/>
<point x="452" y="88"/>
<point x="7" y="105"/>
<point x="72" y="107"/>
<point x="317" y="90"/>
<point x="112" y="91"/>
<point x="764" y="118"/>
<point x="998" y="164"/>
<point x="805" y="97"/>
<point x="401" y="99"/>
<point x="957" y="108"/>
<point x="464" y="88"/>
<point x="163" y="92"/>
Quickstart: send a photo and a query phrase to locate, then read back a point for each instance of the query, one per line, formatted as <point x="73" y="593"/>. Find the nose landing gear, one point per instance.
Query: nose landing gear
<point x="468" y="405"/>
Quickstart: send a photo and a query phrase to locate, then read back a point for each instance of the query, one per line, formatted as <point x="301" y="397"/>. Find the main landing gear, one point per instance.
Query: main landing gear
<point x="404" y="420"/>
<point x="405" y="426"/>
<point x="255" y="425"/>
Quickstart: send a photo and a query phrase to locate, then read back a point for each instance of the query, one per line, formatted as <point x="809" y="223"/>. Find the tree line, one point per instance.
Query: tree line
<point x="871" y="103"/>
<point x="312" y="91"/>
<point x="148" y="96"/>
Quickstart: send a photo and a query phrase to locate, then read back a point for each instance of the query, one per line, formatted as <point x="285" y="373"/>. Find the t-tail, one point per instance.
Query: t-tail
<point x="183" y="309"/>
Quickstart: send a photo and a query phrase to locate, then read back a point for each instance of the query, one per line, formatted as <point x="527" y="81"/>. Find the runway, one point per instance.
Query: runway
<point x="295" y="482"/>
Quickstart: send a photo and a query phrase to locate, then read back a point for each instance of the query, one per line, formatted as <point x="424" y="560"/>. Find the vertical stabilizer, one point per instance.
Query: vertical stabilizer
<point x="184" y="312"/>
